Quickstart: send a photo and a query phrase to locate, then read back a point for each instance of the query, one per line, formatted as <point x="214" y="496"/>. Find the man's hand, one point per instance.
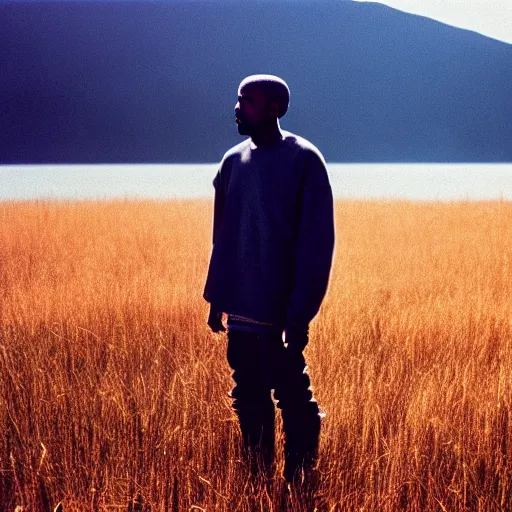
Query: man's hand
<point x="215" y="320"/>
<point x="296" y="338"/>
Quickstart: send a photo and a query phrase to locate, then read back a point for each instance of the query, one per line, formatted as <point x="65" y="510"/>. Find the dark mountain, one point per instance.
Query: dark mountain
<point x="157" y="81"/>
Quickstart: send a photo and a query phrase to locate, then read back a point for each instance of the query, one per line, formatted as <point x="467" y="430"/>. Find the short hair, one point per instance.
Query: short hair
<point x="275" y="89"/>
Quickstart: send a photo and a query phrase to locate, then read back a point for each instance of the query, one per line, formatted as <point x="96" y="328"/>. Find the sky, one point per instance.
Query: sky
<point x="492" y="18"/>
<point x="125" y="82"/>
<point x="155" y="83"/>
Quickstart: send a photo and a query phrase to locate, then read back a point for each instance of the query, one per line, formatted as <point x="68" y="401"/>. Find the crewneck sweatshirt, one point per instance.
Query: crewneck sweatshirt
<point x="273" y="232"/>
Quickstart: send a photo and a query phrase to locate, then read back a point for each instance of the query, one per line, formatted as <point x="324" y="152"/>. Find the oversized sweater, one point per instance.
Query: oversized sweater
<point x="273" y="232"/>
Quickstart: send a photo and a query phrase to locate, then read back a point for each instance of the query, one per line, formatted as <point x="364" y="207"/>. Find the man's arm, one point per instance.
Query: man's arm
<point x="218" y="207"/>
<point x="315" y="245"/>
<point x="215" y="316"/>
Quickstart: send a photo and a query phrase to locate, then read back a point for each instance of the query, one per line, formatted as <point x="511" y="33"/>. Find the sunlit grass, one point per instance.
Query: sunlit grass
<point x="112" y="386"/>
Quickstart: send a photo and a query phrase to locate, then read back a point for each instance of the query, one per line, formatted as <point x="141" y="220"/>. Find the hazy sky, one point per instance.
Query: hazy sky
<point x="492" y="18"/>
<point x="155" y="81"/>
<point x="97" y="83"/>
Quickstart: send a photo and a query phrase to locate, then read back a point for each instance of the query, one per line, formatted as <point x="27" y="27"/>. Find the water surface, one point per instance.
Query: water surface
<point x="168" y="181"/>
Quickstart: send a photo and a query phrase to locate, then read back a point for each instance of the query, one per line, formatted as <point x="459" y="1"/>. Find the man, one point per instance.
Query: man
<point x="273" y="243"/>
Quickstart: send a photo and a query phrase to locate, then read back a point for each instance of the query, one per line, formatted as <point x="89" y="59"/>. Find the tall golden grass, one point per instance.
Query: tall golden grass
<point x="114" y="392"/>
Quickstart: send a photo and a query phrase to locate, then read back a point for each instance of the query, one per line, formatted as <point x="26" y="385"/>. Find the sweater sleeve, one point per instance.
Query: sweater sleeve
<point x="218" y="211"/>
<point x="315" y="244"/>
<point x="218" y="205"/>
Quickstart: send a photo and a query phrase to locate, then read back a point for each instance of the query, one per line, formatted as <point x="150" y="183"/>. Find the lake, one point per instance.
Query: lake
<point x="438" y="182"/>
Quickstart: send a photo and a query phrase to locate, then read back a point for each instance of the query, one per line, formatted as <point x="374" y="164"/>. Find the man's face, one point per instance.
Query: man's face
<point x="253" y="110"/>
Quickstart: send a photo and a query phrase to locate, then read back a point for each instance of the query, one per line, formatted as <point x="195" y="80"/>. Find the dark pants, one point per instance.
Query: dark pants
<point x="260" y="363"/>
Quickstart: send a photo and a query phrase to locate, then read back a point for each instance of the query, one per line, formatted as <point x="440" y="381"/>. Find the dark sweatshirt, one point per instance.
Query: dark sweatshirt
<point x="273" y="233"/>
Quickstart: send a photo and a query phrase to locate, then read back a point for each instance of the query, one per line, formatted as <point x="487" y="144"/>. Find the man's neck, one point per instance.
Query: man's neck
<point x="268" y="136"/>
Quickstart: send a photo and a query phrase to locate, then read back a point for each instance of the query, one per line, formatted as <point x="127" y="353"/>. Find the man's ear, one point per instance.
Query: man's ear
<point x="274" y="108"/>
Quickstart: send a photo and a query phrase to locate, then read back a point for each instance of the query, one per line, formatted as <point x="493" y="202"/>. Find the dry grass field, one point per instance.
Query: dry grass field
<point x="114" y="392"/>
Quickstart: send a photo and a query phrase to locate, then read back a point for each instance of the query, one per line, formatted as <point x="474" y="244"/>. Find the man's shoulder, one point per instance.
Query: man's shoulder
<point x="237" y="150"/>
<point x="294" y="143"/>
<point x="304" y="145"/>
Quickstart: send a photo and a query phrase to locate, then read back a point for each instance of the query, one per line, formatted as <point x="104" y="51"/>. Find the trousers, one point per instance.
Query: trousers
<point x="261" y="363"/>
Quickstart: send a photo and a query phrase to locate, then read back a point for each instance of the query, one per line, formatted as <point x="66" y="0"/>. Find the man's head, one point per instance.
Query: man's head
<point x="262" y="100"/>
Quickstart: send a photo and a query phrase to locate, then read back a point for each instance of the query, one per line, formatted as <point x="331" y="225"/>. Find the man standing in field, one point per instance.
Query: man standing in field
<point x="273" y="243"/>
